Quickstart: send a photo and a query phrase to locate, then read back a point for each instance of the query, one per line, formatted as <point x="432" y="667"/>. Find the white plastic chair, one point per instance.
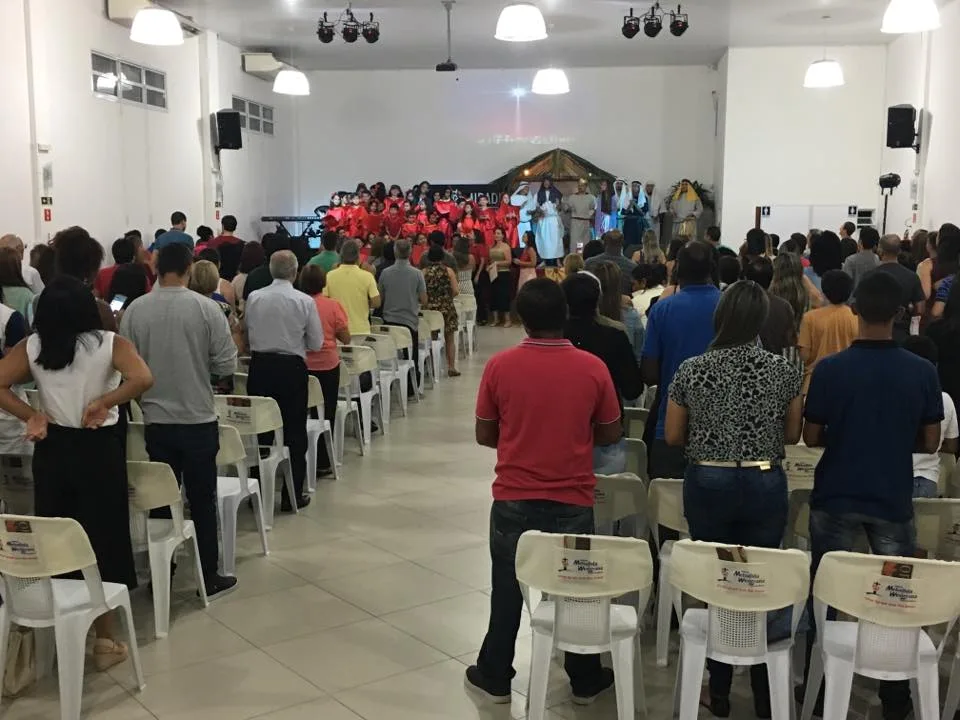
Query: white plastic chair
<point x="346" y="407"/>
<point x="316" y="428"/>
<point x="636" y="421"/>
<point x="797" y="533"/>
<point x="618" y="497"/>
<point x="425" y="354"/>
<point x="357" y="359"/>
<point x="34" y="551"/>
<point x="389" y="370"/>
<point x="251" y="416"/>
<point x="886" y="640"/>
<point x="153" y="485"/>
<point x="16" y="484"/>
<point x="665" y="507"/>
<point x="733" y="627"/>
<point x="404" y="341"/>
<point x="243" y="363"/>
<point x="137" y="442"/>
<point x="948" y="467"/>
<point x="136" y="412"/>
<point x="240" y="383"/>
<point x="436" y="324"/>
<point x="637" y="458"/>
<point x="579" y="617"/>
<point x="466" y="306"/>
<point x="799" y="464"/>
<point x="231" y="491"/>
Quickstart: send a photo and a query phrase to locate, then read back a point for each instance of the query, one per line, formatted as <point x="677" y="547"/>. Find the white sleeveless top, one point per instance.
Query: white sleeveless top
<point x="65" y="393"/>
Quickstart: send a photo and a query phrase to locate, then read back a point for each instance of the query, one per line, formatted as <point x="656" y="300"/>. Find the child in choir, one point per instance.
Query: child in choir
<point x="507" y="218"/>
<point x="333" y="220"/>
<point x="481" y="277"/>
<point x="423" y="211"/>
<point x="373" y="223"/>
<point x="394" y="198"/>
<point x="365" y="248"/>
<point x="468" y="222"/>
<point x="420" y="246"/>
<point x="392" y="222"/>
<point x="486" y="220"/>
<point x="527" y="262"/>
<point x="442" y="206"/>
<point x="410" y="226"/>
<point x="356" y="217"/>
<point x="432" y="224"/>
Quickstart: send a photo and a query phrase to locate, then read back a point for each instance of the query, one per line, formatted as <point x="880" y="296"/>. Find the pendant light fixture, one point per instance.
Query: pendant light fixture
<point x="156" y="26"/>
<point x="825" y="73"/>
<point x="550" y="81"/>
<point x="291" y="82"/>
<point x="521" y="22"/>
<point x="910" y="16"/>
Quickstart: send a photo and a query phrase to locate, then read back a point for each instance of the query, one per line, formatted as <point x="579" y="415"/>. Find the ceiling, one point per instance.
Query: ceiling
<point x="582" y="33"/>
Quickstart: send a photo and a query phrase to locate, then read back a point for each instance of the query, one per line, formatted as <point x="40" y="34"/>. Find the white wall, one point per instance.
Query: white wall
<point x="406" y="126"/>
<point x="787" y="145"/>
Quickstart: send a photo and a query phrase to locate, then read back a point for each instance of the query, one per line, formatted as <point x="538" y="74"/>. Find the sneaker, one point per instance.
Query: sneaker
<point x="475" y="680"/>
<point x="585" y="696"/>
<point x="219" y="586"/>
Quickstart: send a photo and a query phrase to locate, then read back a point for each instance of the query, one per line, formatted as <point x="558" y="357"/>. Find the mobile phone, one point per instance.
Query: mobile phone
<point x="580" y="247"/>
<point x="117" y="303"/>
<point x="314" y="243"/>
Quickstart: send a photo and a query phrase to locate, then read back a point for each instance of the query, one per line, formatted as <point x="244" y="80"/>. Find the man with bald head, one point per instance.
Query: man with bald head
<point x="911" y="292"/>
<point x="30" y="274"/>
<point x="282" y="325"/>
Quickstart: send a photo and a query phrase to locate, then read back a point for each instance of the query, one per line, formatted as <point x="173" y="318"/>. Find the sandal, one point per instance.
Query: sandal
<point x="453" y="373"/>
<point x="107" y="653"/>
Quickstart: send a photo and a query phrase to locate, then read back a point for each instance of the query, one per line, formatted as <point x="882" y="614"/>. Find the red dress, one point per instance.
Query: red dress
<point x="335" y="218"/>
<point x="356" y="221"/>
<point x="373" y="223"/>
<point x="486" y="223"/>
<point x="507" y="220"/>
<point x="417" y="252"/>
<point x="467" y="225"/>
<point x="409" y="229"/>
<point x="392" y="226"/>
<point x="427" y="228"/>
<point x="388" y="202"/>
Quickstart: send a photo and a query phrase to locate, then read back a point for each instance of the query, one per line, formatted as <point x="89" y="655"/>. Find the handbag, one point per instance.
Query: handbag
<point x="20" y="671"/>
<point x="492" y="271"/>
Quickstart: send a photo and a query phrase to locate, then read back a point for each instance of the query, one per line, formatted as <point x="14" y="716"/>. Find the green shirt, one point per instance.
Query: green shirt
<point x="326" y="259"/>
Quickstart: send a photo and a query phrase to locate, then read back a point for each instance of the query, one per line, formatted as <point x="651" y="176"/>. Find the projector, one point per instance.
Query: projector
<point x="448" y="66"/>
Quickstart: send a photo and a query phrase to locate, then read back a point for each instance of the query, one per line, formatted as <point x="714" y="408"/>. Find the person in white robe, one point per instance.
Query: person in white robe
<point x="549" y="231"/>
<point x="522" y="199"/>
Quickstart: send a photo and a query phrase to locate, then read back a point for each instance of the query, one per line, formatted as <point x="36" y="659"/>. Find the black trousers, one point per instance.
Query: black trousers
<point x="284" y="378"/>
<point x="330" y="386"/>
<point x="191" y="451"/>
<point x="508" y="521"/>
<point x="412" y="388"/>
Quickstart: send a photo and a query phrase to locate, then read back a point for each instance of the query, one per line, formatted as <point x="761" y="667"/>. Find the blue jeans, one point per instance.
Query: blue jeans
<point x="740" y="506"/>
<point x="925" y="488"/>
<point x="839" y="531"/>
<point x="508" y="521"/>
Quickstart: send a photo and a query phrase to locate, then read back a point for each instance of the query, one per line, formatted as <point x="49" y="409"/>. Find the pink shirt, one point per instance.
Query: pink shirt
<point x="333" y="318"/>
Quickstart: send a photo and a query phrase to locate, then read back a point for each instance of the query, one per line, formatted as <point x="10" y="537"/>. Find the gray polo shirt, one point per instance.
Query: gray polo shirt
<point x="859" y="264"/>
<point x="184" y="339"/>
<point x="400" y="287"/>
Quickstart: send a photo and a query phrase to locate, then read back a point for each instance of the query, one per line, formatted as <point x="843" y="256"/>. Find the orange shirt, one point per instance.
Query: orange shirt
<point x="825" y="331"/>
<point x="333" y="318"/>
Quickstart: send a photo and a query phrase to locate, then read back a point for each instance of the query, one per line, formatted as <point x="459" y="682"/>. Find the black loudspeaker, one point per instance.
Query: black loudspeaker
<point x="901" y="126"/>
<point x="228" y="130"/>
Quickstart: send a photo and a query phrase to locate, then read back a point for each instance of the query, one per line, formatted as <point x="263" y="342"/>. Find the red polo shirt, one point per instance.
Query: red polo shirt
<point x="546" y="395"/>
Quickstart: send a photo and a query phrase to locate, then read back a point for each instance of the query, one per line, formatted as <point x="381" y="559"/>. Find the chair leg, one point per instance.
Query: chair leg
<point x="927" y="691"/>
<point x="814" y="681"/>
<point x="228" y="535"/>
<point x="780" y="681"/>
<point x="366" y="403"/>
<point x="312" y="439"/>
<point x="639" y="689"/>
<point x="663" y="613"/>
<point x="198" y="569"/>
<point x="953" y="689"/>
<point x="328" y="441"/>
<point x="268" y="490"/>
<point x="691" y="666"/>
<point x="287" y="471"/>
<point x="5" y="639"/>
<point x="401" y="385"/>
<point x="132" y="641"/>
<point x="384" y="417"/>
<point x="622" y="653"/>
<point x="358" y="425"/>
<point x="71" y="649"/>
<point x="261" y="523"/>
<point x="385" y="403"/>
<point x="836" y="700"/>
<point x="160" y="584"/>
<point x="539" y="675"/>
<point x="339" y="435"/>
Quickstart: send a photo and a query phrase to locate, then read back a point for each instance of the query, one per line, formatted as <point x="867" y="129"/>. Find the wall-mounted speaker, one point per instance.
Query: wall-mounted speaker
<point x="901" y="126"/>
<point x="228" y="130"/>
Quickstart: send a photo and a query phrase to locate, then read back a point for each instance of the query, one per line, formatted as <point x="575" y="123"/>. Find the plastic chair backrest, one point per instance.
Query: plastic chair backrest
<point x="240" y="383"/>
<point x="137" y="442"/>
<point x="358" y="359"/>
<point x="346" y="379"/>
<point x="423" y="331"/>
<point x="33" y="398"/>
<point x="314" y="393"/>
<point x="665" y="506"/>
<point x="243" y="363"/>
<point x="152" y="485"/>
<point x="582" y="579"/>
<point x="739" y="594"/>
<point x="799" y="464"/>
<point x="401" y="336"/>
<point x="618" y="496"/>
<point x="249" y="414"/>
<point x="33" y="550"/>
<point x="231" y="450"/>
<point x="16" y="483"/>
<point x="937" y="523"/>
<point x="798" y="515"/>
<point x="382" y="345"/>
<point x="136" y="412"/>
<point x="649" y="395"/>
<point x="637" y="458"/>
<point x="636" y="421"/>
<point x="465" y="301"/>
<point x="434" y="319"/>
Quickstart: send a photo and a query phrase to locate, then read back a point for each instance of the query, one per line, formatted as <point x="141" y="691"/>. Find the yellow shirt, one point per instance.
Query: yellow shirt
<point x="353" y="288"/>
<point x="826" y="331"/>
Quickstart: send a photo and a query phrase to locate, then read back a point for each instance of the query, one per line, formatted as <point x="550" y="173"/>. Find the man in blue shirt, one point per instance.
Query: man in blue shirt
<point x="871" y="407"/>
<point x="678" y="327"/>
<point x="176" y="233"/>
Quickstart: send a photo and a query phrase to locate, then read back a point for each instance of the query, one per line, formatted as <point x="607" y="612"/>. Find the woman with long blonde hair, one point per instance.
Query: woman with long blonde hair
<point x="788" y="285"/>
<point x="650" y="253"/>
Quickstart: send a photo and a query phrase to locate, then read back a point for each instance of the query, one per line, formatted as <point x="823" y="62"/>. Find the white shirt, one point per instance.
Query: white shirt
<point x="281" y="319"/>
<point x="927" y="465"/>
<point x="65" y="393"/>
<point x="32" y="277"/>
<point x="642" y="300"/>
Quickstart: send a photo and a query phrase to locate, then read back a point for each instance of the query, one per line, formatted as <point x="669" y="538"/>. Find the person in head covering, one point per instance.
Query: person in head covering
<point x="606" y="217"/>
<point x="686" y="208"/>
<point x="549" y="231"/>
<point x="582" y="206"/>
<point x="621" y="191"/>
<point x="654" y="212"/>
<point x="521" y="199"/>
<point x="634" y="217"/>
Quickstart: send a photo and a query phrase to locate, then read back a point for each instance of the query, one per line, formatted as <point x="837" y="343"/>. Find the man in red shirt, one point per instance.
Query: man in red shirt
<point x="229" y="246"/>
<point x="544" y="474"/>
<point x="124" y="251"/>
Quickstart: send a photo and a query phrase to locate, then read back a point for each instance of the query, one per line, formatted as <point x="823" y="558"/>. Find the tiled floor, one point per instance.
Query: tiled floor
<point x="370" y="605"/>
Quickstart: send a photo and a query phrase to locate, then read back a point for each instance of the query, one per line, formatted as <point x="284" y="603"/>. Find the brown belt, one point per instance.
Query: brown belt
<point x="762" y="465"/>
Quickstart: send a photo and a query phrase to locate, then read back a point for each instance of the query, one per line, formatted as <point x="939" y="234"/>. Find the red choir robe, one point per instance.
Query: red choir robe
<point x="334" y="219"/>
<point x="507" y="220"/>
<point x="364" y="254"/>
<point x="486" y="223"/>
<point x="455" y="214"/>
<point x="443" y="209"/>
<point x="356" y="220"/>
<point x="467" y="225"/>
<point x="373" y="223"/>
<point x="409" y="229"/>
<point x="427" y="228"/>
<point x="392" y="225"/>
<point x="389" y="201"/>
<point x="417" y="252"/>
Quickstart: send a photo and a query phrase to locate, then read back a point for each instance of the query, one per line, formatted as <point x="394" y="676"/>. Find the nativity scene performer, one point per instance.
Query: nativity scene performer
<point x="525" y="204"/>
<point x="686" y="209"/>
<point x="582" y="205"/>
<point x="606" y="219"/>
<point x="549" y="229"/>
<point x="635" y="216"/>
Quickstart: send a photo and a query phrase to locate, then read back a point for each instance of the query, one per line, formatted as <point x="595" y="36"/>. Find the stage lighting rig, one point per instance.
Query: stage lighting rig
<point x="350" y="29"/>
<point x="631" y="26"/>
<point x="679" y="22"/>
<point x="653" y="21"/>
